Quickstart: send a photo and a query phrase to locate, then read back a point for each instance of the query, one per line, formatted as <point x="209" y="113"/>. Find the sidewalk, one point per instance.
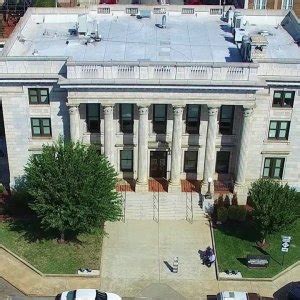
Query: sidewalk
<point x="30" y="281"/>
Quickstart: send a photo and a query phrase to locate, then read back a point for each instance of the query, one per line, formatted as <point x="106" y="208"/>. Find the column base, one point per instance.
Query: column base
<point x="241" y="191"/>
<point x="174" y="188"/>
<point x="141" y="187"/>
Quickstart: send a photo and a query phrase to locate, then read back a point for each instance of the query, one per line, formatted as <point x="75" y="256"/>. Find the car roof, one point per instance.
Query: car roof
<point x="85" y="294"/>
<point x="232" y="295"/>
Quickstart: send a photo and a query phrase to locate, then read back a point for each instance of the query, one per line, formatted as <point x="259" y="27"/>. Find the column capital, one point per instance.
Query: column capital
<point x="248" y="111"/>
<point x="73" y="109"/>
<point x="178" y="109"/>
<point x="143" y="109"/>
<point x="213" y="109"/>
<point x="69" y="105"/>
<point x="108" y="109"/>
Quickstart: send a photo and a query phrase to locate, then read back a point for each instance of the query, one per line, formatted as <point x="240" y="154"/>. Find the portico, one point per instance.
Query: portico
<point x="171" y="152"/>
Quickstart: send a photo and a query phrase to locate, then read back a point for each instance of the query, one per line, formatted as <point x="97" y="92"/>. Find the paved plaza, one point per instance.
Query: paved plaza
<point x="136" y="254"/>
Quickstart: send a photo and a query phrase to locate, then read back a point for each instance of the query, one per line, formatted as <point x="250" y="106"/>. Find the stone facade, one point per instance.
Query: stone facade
<point x="248" y="87"/>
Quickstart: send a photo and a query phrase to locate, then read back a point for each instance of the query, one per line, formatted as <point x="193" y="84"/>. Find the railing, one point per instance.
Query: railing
<point x="123" y="199"/>
<point x="189" y="207"/>
<point x="156" y="204"/>
<point x="143" y="71"/>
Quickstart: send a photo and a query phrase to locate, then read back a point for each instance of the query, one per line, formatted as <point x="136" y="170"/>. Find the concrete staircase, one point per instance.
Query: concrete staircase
<point x="143" y="206"/>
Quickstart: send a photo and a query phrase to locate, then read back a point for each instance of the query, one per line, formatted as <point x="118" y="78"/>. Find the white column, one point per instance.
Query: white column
<point x="246" y="3"/>
<point x="240" y="187"/>
<point x="176" y="149"/>
<point x="210" y="150"/>
<point x="142" y="174"/>
<point x="109" y="132"/>
<point x="74" y="122"/>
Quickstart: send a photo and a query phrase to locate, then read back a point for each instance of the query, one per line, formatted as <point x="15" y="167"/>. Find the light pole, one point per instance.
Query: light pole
<point x="208" y="194"/>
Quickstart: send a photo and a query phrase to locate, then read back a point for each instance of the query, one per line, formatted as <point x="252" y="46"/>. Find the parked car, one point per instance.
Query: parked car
<point x="294" y="291"/>
<point x="87" y="294"/>
<point x="231" y="295"/>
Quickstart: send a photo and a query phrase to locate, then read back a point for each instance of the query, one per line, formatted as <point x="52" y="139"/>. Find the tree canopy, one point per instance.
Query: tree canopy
<point x="274" y="205"/>
<point x="73" y="188"/>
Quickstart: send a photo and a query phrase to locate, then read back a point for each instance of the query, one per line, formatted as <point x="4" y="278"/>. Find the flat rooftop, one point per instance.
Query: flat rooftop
<point x="198" y="37"/>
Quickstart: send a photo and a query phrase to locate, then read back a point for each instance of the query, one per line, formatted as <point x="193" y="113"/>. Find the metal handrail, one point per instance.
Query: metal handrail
<point x="156" y="205"/>
<point x="189" y="207"/>
<point x="123" y="198"/>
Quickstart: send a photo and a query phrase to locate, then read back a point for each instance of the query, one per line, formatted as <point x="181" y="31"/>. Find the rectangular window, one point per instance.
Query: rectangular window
<point x="41" y="126"/>
<point x="93" y="117"/>
<point x="226" y="119"/>
<point x="190" y="161"/>
<point x="126" y="160"/>
<point x="38" y="96"/>
<point x="159" y="118"/>
<point x="260" y="4"/>
<point x="193" y="118"/>
<point x="283" y="98"/>
<point x="126" y="118"/>
<point x="287" y="4"/>
<point x="222" y="162"/>
<point x="279" y="130"/>
<point x="273" y="168"/>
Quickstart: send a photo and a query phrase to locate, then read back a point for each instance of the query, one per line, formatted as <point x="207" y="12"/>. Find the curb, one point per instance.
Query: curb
<point x="266" y="279"/>
<point x="26" y="263"/>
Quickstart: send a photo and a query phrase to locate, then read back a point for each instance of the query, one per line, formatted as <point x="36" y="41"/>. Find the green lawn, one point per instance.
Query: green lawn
<point x="234" y="242"/>
<point x="50" y="257"/>
<point x="44" y="3"/>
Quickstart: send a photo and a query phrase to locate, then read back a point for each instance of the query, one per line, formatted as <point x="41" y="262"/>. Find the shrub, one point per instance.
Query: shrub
<point x="234" y="200"/>
<point x="237" y="213"/>
<point x="227" y="201"/>
<point x="274" y="206"/>
<point x="220" y="201"/>
<point x="222" y="214"/>
<point x="1" y="188"/>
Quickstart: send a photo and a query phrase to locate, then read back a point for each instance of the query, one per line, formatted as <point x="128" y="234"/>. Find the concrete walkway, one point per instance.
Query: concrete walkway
<point x="133" y="265"/>
<point x="136" y="253"/>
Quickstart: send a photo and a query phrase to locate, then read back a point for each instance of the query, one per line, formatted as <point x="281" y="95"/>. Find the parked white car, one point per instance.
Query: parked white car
<point x="87" y="294"/>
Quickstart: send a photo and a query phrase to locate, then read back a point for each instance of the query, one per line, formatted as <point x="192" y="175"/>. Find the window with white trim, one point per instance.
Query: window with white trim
<point x="260" y="4"/>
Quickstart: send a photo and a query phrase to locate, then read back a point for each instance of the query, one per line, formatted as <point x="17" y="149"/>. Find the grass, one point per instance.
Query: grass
<point x="50" y="257"/>
<point x="44" y="3"/>
<point x="234" y="242"/>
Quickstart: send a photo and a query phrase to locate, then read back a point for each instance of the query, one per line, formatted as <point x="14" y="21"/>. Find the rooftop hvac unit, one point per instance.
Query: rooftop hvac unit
<point x="82" y="24"/>
<point x="253" y="47"/>
<point x="239" y="33"/>
<point x="239" y="21"/>
<point x="230" y="17"/>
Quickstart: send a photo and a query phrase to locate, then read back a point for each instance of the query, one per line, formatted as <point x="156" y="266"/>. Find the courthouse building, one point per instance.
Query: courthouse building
<point x="169" y="92"/>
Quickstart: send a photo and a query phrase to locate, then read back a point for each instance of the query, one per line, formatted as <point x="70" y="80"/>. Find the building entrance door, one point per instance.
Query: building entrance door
<point x="158" y="164"/>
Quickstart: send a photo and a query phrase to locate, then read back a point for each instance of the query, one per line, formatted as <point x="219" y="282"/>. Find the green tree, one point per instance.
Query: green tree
<point x="73" y="188"/>
<point x="274" y="205"/>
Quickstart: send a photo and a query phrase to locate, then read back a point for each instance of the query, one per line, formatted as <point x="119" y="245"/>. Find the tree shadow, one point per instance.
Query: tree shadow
<point x="246" y="231"/>
<point x="264" y="252"/>
<point x="31" y="229"/>
<point x="243" y="261"/>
